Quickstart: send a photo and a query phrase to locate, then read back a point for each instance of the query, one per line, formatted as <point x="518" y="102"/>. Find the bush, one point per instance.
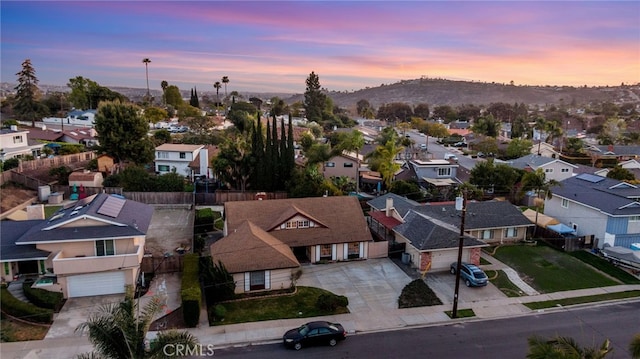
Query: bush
<point x="220" y="311"/>
<point x="41" y="297"/>
<point x="331" y="302"/>
<point x="191" y="293"/>
<point x="204" y="220"/>
<point x="25" y="311"/>
<point x="417" y="294"/>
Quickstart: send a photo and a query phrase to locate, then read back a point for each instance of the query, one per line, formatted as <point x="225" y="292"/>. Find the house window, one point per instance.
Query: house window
<point x="257" y="280"/>
<point x="330" y="164"/>
<point x="298" y="224"/>
<point x="511" y="232"/>
<point x="348" y="164"/>
<point x="105" y="248"/>
<point x="163" y="168"/>
<point x="162" y="154"/>
<point x="565" y="203"/>
<point x="548" y="170"/>
<point x="17" y="139"/>
<point x="354" y="250"/>
<point x="564" y="170"/>
<point x="183" y="155"/>
<point x="634" y="219"/>
<point x="326" y="251"/>
<point x="303" y="224"/>
<point x="442" y="172"/>
<point x="487" y="234"/>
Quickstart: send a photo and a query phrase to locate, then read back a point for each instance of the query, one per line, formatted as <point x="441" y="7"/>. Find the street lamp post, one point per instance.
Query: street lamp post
<point x="461" y="205"/>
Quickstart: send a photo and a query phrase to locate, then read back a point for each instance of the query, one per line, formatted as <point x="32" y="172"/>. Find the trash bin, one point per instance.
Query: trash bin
<point x="406" y="258"/>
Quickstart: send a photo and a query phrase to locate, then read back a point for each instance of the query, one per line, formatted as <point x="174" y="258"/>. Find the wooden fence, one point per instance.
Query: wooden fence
<point x="158" y="265"/>
<point x="57" y="161"/>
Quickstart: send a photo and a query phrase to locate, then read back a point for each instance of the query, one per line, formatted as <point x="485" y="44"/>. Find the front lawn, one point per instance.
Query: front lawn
<point x="549" y="270"/>
<point x="502" y="282"/>
<point x="302" y="304"/>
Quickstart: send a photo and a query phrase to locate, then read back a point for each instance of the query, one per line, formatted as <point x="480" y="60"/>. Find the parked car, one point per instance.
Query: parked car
<point x="460" y="144"/>
<point x="314" y="333"/>
<point x="451" y="156"/>
<point x="471" y="274"/>
<point x="423" y="146"/>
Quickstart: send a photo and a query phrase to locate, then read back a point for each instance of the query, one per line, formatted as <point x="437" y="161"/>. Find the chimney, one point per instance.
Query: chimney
<point x="35" y="211"/>
<point x="389" y="206"/>
<point x="610" y="148"/>
<point x="13" y="128"/>
<point x="204" y="161"/>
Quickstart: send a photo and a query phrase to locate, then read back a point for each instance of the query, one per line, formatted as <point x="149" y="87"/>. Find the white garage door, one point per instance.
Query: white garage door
<point x="95" y="284"/>
<point x="441" y="260"/>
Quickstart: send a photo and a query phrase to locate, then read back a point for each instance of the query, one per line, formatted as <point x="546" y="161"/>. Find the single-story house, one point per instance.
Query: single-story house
<point x="317" y="229"/>
<point x="90" y="247"/>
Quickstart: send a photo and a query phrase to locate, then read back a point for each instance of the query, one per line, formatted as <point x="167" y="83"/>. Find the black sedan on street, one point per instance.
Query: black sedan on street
<point x="314" y="333"/>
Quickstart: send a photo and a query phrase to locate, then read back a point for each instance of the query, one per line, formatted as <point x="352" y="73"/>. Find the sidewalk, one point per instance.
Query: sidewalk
<point x="272" y="331"/>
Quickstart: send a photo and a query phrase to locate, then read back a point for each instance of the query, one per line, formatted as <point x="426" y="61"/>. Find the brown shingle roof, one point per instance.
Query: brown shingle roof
<point x="249" y="248"/>
<point x="341" y="217"/>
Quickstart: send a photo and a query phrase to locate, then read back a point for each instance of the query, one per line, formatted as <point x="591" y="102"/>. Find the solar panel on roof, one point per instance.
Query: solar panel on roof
<point x="590" y="178"/>
<point x="111" y="207"/>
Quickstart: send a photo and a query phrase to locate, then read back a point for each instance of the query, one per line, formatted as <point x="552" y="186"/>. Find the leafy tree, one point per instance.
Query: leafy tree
<point x="306" y="182"/>
<point x="634" y="346"/>
<point x="396" y="112"/>
<point x="575" y="146"/>
<point x="468" y="112"/>
<point x="9" y="163"/>
<point x="488" y="176"/>
<point x="621" y="174"/>
<point x="199" y="124"/>
<point x="241" y="114"/>
<point x="383" y="161"/>
<point x="488" y="126"/>
<point x="61" y="174"/>
<point x="501" y="111"/>
<point x="410" y="189"/>
<point x="363" y="108"/>
<point x="318" y="154"/>
<point x="314" y="99"/>
<point x="187" y="111"/>
<point x="134" y="179"/>
<point x="169" y="182"/>
<point x="118" y="331"/>
<point x="487" y="145"/>
<point x="161" y="136"/>
<point x="563" y="347"/>
<point x="122" y="133"/>
<point x="218" y="282"/>
<point x="154" y="114"/>
<point x="445" y="113"/>
<point x="306" y="141"/>
<point x="87" y="94"/>
<point x="235" y="162"/>
<point x="27" y="105"/>
<point x="612" y="131"/>
<point x="173" y="97"/>
<point x="422" y="111"/>
<point x="519" y="147"/>
<point x="278" y="107"/>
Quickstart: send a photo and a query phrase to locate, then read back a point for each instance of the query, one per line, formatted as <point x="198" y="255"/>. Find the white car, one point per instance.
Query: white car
<point x="450" y="156"/>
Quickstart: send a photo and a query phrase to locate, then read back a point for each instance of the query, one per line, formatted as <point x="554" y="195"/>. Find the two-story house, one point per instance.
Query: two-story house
<point x="597" y="206"/>
<point x="91" y="247"/>
<point x="554" y="169"/>
<point x="345" y="164"/>
<point x="172" y="157"/>
<point x="15" y="143"/>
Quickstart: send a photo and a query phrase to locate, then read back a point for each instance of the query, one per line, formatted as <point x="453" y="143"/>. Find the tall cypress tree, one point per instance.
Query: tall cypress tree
<point x="275" y="154"/>
<point x="268" y="166"/>
<point x="195" y="98"/>
<point x="259" y="153"/>
<point x="283" y="160"/>
<point x="291" y="154"/>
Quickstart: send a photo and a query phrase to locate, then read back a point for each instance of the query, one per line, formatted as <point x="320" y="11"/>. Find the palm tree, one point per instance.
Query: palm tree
<point x="164" y="84"/>
<point x="146" y="63"/>
<point x="563" y="347"/>
<point x="217" y="86"/>
<point x="225" y="81"/>
<point x="117" y="332"/>
<point x="536" y="182"/>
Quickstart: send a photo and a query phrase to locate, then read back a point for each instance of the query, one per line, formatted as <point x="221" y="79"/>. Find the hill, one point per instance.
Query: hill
<point x="447" y="92"/>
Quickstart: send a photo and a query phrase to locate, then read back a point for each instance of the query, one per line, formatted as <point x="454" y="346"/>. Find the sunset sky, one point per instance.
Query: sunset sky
<point x="269" y="46"/>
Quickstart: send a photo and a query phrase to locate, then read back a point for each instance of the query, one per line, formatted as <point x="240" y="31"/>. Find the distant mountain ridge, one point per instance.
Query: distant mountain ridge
<point x="433" y="92"/>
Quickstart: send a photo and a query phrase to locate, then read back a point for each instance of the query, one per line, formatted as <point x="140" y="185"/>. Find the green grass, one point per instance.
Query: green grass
<point x="502" y="282"/>
<point x="462" y="313"/>
<point x="604" y="266"/>
<point x="581" y="300"/>
<point x="484" y="261"/>
<point x="299" y="305"/>
<point x="50" y="210"/>
<point x="551" y="270"/>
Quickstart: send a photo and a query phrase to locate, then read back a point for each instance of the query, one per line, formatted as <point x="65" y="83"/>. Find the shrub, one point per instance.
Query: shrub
<point x="417" y="294"/>
<point x="26" y="311"/>
<point x="204" y="220"/>
<point x="331" y="302"/>
<point x="191" y="292"/>
<point x="220" y="311"/>
<point x="42" y="298"/>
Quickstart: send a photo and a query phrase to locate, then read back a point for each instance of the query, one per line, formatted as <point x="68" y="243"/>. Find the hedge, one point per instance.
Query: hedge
<point x="42" y="297"/>
<point x="191" y="294"/>
<point x="21" y="310"/>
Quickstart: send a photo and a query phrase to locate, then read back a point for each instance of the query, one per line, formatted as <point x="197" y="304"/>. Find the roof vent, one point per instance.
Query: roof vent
<point x="73" y="213"/>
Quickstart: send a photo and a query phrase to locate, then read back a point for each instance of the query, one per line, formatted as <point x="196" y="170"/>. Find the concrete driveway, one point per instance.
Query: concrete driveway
<point x="370" y="285"/>
<point x="443" y="285"/>
<point x="76" y="311"/>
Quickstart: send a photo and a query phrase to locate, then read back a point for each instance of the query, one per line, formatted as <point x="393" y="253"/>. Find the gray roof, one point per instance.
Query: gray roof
<point x="10" y="231"/>
<point x="533" y="161"/>
<point x="480" y="215"/>
<point x="425" y="234"/>
<point x="611" y="196"/>
<point x="401" y="204"/>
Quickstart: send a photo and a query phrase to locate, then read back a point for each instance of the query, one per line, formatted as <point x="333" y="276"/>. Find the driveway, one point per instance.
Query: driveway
<point x="370" y="285"/>
<point x="443" y="285"/>
<point x="76" y="311"/>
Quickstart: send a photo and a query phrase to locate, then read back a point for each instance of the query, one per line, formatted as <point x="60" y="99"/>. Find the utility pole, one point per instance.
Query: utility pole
<point x="461" y="205"/>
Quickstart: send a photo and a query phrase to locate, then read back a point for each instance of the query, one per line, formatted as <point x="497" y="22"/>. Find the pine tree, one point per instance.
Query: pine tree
<point x="283" y="160"/>
<point x="275" y="155"/>
<point x="314" y="99"/>
<point x="268" y="166"/>
<point x="27" y="106"/>
<point x="291" y="154"/>
<point x="195" y="98"/>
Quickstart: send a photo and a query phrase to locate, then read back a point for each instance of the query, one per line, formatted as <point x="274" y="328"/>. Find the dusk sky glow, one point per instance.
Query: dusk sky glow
<point x="272" y="46"/>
